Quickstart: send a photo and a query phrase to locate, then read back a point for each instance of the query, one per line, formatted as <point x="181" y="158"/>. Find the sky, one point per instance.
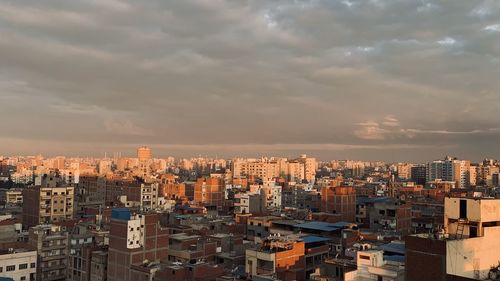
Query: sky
<point x="392" y="80"/>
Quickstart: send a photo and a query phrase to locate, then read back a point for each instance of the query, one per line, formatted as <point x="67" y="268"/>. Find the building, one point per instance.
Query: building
<point x="149" y="196"/>
<point x="339" y="200"/>
<point x="467" y="248"/>
<point x="14" y="196"/>
<point x="281" y="257"/>
<point x="98" y="265"/>
<point x="18" y="264"/>
<point x="449" y="169"/>
<point x="418" y="174"/>
<point x="145" y="157"/>
<point x="90" y="193"/>
<point x="50" y="243"/>
<point x="47" y="204"/>
<point x="134" y="240"/>
<point x="371" y="265"/>
<point x="187" y="248"/>
<point x="209" y="191"/>
<point x="404" y="171"/>
<point x="84" y="251"/>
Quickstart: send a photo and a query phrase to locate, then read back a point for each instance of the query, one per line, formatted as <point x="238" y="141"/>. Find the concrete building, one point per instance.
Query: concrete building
<point x="277" y="256"/>
<point x="51" y="245"/>
<point x="90" y="193"/>
<point x="145" y="157"/>
<point x="450" y="169"/>
<point x="18" y="264"/>
<point x="371" y="265"/>
<point x="404" y="171"/>
<point x="149" y="196"/>
<point x="85" y="247"/>
<point x="467" y="249"/>
<point x="47" y="204"/>
<point x="187" y="248"/>
<point x="418" y="174"/>
<point x="98" y="265"/>
<point x="14" y="196"/>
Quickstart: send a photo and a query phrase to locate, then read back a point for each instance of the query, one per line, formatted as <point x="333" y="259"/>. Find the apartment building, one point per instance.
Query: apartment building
<point x="339" y="200"/>
<point x="18" y="264"/>
<point x="50" y="242"/>
<point x="47" y="204"/>
<point x="209" y="191"/>
<point x="467" y="248"/>
<point x="134" y="240"/>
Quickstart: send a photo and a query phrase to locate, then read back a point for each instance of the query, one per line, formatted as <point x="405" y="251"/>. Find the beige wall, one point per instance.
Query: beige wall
<point x="463" y="257"/>
<point x="485" y="210"/>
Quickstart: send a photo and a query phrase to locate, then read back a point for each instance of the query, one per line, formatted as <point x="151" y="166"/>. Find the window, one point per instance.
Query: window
<point x="23" y="278"/>
<point x="23" y="266"/>
<point x="1" y="269"/>
<point x="364" y="257"/>
<point x="10" y="268"/>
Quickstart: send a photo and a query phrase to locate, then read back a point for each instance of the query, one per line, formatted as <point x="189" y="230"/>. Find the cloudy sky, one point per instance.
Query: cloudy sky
<point x="367" y="79"/>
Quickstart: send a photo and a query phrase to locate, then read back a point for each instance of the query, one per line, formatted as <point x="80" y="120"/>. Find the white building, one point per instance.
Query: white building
<point x="372" y="266"/>
<point x="18" y="264"/>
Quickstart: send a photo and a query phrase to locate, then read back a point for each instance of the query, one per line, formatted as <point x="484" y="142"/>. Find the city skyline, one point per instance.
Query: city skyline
<point x="376" y="80"/>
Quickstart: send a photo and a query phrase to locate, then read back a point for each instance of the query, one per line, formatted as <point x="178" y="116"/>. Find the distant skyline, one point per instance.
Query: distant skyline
<point x="390" y="80"/>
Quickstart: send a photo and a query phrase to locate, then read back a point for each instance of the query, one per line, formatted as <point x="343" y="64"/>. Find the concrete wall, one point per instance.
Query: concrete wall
<point x="472" y="258"/>
<point x="16" y="259"/>
<point x="485" y="210"/>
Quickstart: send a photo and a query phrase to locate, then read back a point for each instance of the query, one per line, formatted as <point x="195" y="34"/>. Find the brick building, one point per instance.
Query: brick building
<point x="134" y="240"/>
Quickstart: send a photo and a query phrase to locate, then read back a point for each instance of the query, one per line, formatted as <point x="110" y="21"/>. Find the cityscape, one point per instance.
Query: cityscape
<point x="268" y="218"/>
<point x="249" y="140"/>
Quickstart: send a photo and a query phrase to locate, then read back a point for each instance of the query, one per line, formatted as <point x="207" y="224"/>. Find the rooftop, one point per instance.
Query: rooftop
<point x="323" y="226"/>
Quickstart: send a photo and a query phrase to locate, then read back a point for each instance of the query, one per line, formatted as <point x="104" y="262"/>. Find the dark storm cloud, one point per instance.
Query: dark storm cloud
<point x="399" y="79"/>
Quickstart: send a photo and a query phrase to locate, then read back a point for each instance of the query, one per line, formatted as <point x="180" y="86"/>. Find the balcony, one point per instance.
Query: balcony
<point x="53" y="247"/>
<point x="53" y="257"/>
<point x="264" y="271"/>
<point x="53" y="267"/>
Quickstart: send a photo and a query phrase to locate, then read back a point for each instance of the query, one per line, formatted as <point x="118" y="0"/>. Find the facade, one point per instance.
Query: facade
<point x="467" y="249"/>
<point x="418" y="174"/>
<point x="371" y="265"/>
<point x="149" y="196"/>
<point x="98" y="265"/>
<point x="339" y="200"/>
<point x="209" y="191"/>
<point x="51" y="245"/>
<point x="450" y="170"/>
<point x="187" y="248"/>
<point x="133" y="241"/>
<point x="277" y="256"/>
<point x="18" y="264"/>
<point x="145" y="156"/>
<point x="47" y="204"/>
<point x="14" y="196"/>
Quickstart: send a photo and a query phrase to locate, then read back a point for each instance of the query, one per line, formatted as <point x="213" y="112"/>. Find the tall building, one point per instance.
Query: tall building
<point x="339" y="200"/>
<point x="51" y="244"/>
<point x="404" y="170"/>
<point x="47" y="204"/>
<point x="145" y="157"/>
<point x="449" y="169"/>
<point x="418" y="174"/>
<point x="133" y="241"/>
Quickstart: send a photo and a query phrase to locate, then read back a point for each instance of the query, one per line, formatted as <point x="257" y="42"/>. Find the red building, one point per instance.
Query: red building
<point x="339" y="200"/>
<point x="134" y="241"/>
